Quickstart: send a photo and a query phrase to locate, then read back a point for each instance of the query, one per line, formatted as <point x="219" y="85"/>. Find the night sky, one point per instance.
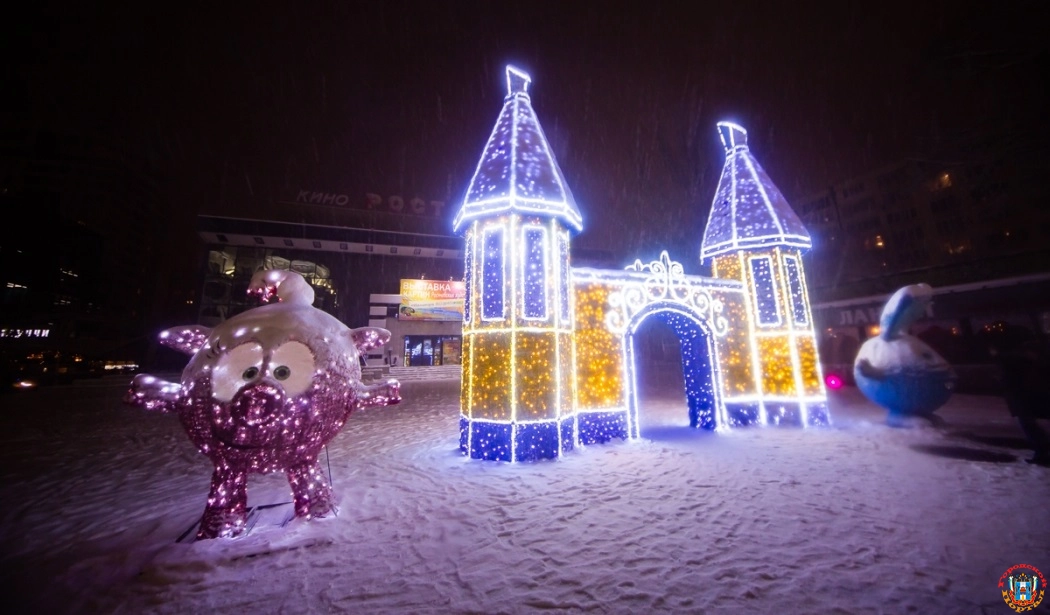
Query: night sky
<point x="260" y="100"/>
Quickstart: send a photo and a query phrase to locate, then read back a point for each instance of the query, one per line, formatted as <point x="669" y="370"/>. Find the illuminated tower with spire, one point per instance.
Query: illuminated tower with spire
<point x="517" y="219"/>
<point x="771" y="370"/>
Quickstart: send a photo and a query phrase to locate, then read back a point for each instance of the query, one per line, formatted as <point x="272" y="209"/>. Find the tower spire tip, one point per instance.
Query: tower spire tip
<point x="517" y="81"/>
<point x="733" y="135"/>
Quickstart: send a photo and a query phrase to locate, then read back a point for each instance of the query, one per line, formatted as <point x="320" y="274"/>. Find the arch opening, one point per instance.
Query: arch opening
<point x="695" y="364"/>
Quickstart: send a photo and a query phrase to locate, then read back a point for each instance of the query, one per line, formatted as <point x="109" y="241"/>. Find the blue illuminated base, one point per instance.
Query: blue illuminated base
<point x="817" y="414"/>
<point x="600" y="427"/>
<point x="493" y="441"/>
<point x="908" y="392"/>
<point x="779" y="413"/>
<point x="743" y="415"/>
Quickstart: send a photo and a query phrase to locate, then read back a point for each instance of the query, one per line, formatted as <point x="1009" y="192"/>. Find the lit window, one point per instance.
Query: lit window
<point x="798" y="297"/>
<point x="492" y="274"/>
<point x="765" y="292"/>
<point x="534" y="272"/>
<point x="566" y="288"/>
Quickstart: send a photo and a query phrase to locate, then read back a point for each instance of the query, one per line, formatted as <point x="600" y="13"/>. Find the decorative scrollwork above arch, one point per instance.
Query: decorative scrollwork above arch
<point x="666" y="282"/>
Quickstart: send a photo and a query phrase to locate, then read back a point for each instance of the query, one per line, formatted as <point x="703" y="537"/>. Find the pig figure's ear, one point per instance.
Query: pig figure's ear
<point x="367" y="338"/>
<point x="188" y="339"/>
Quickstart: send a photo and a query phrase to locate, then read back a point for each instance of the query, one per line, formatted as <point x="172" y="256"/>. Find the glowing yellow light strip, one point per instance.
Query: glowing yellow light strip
<point x="757" y="372"/>
<point x="510" y="330"/>
<point x="468" y="326"/>
<point x="784" y="287"/>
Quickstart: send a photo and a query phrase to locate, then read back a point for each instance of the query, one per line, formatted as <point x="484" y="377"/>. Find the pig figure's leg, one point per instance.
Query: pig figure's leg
<point x="226" y="512"/>
<point x="310" y="488"/>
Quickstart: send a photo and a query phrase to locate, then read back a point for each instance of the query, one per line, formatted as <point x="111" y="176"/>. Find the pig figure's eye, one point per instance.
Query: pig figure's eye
<point x="234" y="368"/>
<point x="294" y="366"/>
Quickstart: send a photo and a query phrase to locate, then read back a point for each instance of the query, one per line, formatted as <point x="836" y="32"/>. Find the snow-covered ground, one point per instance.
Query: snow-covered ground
<point x="856" y="518"/>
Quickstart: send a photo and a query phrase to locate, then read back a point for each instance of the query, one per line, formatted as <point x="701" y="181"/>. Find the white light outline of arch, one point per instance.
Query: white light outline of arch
<point x="630" y="377"/>
<point x="671" y="284"/>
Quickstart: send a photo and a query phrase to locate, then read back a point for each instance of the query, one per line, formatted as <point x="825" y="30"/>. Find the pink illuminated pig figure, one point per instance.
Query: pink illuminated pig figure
<point x="263" y="392"/>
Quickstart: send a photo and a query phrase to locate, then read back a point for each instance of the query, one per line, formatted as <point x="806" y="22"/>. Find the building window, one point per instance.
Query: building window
<point x="564" y="285"/>
<point x="765" y="292"/>
<point x="798" y="298"/>
<point x="534" y="274"/>
<point x="492" y="269"/>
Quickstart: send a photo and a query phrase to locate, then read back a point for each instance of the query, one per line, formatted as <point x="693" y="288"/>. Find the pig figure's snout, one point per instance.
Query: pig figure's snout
<point x="257" y="404"/>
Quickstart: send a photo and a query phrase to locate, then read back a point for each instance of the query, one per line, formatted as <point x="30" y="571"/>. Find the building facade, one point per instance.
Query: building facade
<point x="80" y="265"/>
<point x="973" y="230"/>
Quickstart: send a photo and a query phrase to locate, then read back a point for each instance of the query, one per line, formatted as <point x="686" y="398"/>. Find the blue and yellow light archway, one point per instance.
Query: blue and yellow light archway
<point x="548" y="354"/>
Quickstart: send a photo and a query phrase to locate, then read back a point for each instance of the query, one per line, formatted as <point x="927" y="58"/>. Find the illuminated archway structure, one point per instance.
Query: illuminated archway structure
<point x="548" y="350"/>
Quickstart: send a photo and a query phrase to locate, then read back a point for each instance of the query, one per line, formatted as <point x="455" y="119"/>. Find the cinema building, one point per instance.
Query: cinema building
<point x="385" y="261"/>
<point x="354" y="251"/>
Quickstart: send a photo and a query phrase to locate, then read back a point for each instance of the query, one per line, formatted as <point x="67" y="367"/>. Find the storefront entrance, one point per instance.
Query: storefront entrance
<point x="423" y="350"/>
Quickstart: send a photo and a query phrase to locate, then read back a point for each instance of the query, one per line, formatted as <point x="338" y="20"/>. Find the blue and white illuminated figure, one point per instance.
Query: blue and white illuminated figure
<point x="517" y="217"/>
<point x="899" y="371"/>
